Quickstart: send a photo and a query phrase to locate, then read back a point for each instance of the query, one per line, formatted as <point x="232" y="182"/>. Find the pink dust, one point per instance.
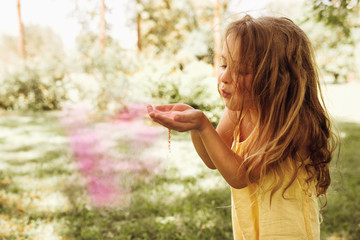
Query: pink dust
<point x="98" y="145"/>
<point x="169" y="140"/>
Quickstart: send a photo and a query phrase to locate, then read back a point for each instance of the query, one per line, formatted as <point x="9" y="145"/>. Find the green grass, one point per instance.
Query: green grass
<point x="342" y="214"/>
<point x="150" y="215"/>
<point x="42" y="195"/>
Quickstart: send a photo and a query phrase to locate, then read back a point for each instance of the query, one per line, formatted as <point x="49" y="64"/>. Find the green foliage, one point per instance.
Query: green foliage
<point x="337" y="13"/>
<point x="176" y="27"/>
<point x="164" y="24"/>
<point x="335" y="53"/>
<point x="175" y="35"/>
<point x="41" y="42"/>
<point x="35" y="85"/>
<point x="336" y="49"/>
<point x="110" y="69"/>
<point x="168" y="82"/>
<point x="332" y="28"/>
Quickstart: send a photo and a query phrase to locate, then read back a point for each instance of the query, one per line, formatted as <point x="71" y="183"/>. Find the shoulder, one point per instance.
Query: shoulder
<point x="229" y="117"/>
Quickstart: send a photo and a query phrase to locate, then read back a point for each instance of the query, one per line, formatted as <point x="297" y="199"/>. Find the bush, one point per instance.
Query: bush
<point x="109" y="69"/>
<point x="41" y="83"/>
<point x="164" y="82"/>
<point x="35" y="85"/>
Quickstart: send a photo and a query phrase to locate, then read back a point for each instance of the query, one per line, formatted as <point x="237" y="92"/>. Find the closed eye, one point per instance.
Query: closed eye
<point x="223" y="62"/>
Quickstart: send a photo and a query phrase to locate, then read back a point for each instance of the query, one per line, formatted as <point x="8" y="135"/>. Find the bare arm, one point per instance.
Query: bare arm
<point x="182" y="118"/>
<point x="225" y="160"/>
<point x="225" y="130"/>
<point x="200" y="149"/>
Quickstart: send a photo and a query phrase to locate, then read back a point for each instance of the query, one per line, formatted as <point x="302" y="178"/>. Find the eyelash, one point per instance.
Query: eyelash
<point x="223" y="66"/>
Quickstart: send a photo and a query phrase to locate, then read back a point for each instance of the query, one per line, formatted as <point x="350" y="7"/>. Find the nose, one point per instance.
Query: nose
<point x="224" y="77"/>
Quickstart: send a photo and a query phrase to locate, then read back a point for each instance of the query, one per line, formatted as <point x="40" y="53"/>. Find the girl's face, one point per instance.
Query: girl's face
<point x="234" y="88"/>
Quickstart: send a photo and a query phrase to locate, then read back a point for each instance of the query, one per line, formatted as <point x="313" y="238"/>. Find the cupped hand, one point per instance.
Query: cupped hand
<point x="180" y="117"/>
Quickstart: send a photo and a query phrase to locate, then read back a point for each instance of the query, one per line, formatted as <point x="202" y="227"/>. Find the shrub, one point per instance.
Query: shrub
<point x="35" y="85"/>
<point x="164" y="82"/>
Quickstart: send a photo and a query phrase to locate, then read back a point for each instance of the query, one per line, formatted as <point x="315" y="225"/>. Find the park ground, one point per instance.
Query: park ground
<point x="47" y="189"/>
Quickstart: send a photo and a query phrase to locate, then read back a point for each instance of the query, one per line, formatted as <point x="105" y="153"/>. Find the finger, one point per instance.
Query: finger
<point x="171" y="124"/>
<point x="152" y="111"/>
<point x="166" y="118"/>
<point x="165" y="123"/>
<point x="149" y="109"/>
<point x="166" y="114"/>
<point x="168" y="121"/>
<point x="164" y="108"/>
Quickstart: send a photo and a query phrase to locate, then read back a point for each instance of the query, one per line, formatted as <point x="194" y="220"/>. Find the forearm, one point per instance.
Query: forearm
<point x="209" y="143"/>
<point x="200" y="149"/>
<point x="224" y="159"/>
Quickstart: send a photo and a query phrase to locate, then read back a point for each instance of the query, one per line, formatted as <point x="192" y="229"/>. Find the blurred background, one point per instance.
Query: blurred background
<point x="79" y="158"/>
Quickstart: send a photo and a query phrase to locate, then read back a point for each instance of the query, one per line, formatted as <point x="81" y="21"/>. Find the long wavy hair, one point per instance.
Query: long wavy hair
<point x="286" y="94"/>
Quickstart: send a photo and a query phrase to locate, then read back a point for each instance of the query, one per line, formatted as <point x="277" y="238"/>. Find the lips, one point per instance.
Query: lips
<point x="225" y="94"/>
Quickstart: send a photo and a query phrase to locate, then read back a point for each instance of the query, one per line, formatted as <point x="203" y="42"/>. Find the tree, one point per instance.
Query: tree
<point x="139" y="8"/>
<point x="217" y="34"/>
<point x="340" y="23"/>
<point x="91" y="16"/>
<point x="343" y="14"/>
<point x="102" y="26"/>
<point x="43" y="42"/>
<point x="21" y="44"/>
<point x="162" y="25"/>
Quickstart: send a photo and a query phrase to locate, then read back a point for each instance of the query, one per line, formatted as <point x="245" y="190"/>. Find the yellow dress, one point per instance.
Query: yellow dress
<point x="295" y="217"/>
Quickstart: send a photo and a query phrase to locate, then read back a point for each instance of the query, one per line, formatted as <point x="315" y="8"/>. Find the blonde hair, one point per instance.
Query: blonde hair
<point x="285" y="91"/>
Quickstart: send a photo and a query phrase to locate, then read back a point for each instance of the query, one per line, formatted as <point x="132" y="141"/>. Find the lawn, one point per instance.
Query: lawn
<point x="50" y="188"/>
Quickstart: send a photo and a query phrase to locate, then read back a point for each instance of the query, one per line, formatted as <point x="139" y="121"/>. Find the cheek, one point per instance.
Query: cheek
<point x="244" y="84"/>
<point x="248" y="81"/>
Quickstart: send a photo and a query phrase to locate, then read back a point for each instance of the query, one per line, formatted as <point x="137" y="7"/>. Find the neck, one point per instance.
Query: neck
<point x="248" y="123"/>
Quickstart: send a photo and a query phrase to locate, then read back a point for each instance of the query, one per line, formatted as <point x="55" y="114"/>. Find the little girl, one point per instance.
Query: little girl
<point x="274" y="142"/>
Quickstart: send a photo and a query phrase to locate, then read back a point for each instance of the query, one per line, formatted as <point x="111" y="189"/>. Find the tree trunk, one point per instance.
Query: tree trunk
<point x="21" y="43"/>
<point x="102" y="26"/>
<point x="138" y="23"/>
<point x="217" y="35"/>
